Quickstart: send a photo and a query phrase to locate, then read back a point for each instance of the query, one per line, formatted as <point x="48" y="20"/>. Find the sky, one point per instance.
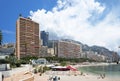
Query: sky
<point x="92" y="22"/>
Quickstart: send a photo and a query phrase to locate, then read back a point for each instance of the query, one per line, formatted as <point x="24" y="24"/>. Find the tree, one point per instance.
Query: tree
<point x="0" y="37"/>
<point x="63" y="63"/>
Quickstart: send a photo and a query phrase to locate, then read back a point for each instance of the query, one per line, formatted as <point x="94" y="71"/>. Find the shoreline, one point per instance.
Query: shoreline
<point x="72" y="75"/>
<point x="109" y="76"/>
<point x="86" y="64"/>
<point x="84" y="77"/>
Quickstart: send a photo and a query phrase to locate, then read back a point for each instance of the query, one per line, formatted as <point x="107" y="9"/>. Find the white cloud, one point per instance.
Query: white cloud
<point x="8" y="32"/>
<point x="75" y="19"/>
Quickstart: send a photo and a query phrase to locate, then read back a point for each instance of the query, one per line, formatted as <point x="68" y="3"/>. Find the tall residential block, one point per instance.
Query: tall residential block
<point x="27" y="38"/>
<point x="68" y="49"/>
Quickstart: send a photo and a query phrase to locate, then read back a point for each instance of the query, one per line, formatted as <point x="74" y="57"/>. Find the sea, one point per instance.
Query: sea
<point x="109" y="70"/>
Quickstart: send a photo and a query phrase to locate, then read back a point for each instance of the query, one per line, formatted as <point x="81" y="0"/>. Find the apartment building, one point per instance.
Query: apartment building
<point x="27" y="37"/>
<point x="67" y="49"/>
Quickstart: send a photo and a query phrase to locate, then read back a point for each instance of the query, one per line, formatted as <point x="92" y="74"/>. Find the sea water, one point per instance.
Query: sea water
<point x="108" y="70"/>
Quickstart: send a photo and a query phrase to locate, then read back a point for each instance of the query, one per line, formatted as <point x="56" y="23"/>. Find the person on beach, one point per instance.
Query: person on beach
<point x="58" y="78"/>
<point x="55" y="78"/>
<point x="50" y="78"/>
<point x="102" y="76"/>
<point x="2" y="77"/>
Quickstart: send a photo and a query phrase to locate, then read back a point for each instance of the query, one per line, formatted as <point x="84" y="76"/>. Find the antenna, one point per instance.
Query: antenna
<point x="20" y="15"/>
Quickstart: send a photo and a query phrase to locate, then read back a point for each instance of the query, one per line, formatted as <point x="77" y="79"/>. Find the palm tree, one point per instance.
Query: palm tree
<point x="0" y="37"/>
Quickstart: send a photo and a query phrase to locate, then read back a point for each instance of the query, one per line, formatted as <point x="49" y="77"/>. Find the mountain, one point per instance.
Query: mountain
<point x="99" y="49"/>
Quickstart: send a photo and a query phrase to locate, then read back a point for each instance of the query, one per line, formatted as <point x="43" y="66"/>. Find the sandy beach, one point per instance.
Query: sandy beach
<point x="63" y="75"/>
<point x="86" y="64"/>
<point x="66" y="77"/>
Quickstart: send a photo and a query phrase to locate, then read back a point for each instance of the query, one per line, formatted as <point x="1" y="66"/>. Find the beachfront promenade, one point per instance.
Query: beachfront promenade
<point x="18" y="74"/>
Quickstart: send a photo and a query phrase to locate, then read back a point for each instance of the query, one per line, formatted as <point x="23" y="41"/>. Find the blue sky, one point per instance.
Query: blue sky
<point x="10" y="10"/>
<point x="93" y="22"/>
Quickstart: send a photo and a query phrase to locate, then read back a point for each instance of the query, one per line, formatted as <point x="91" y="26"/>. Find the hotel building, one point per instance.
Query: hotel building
<point x="27" y="37"/>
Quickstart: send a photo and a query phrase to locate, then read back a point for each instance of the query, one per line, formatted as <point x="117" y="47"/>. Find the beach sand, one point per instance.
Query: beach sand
<point x="18" y="76"/>
<point x="64" y="76"/>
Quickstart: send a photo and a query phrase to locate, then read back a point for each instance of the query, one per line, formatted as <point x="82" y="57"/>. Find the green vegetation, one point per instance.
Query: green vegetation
<point x="2" y="61"/>
<point x="41" y="69"/>
<point x="71" y="60"/>
<point x="13" y="61"/>
<point x="26" y="60"/>
<point x="35" y="71"/>
<point x="63" y="63"/>
<point x="45" y="68"/>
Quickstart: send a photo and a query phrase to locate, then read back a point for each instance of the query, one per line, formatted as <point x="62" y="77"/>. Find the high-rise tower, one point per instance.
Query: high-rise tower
<point x="27" y="37"/>
<point x="44" y="38"/>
